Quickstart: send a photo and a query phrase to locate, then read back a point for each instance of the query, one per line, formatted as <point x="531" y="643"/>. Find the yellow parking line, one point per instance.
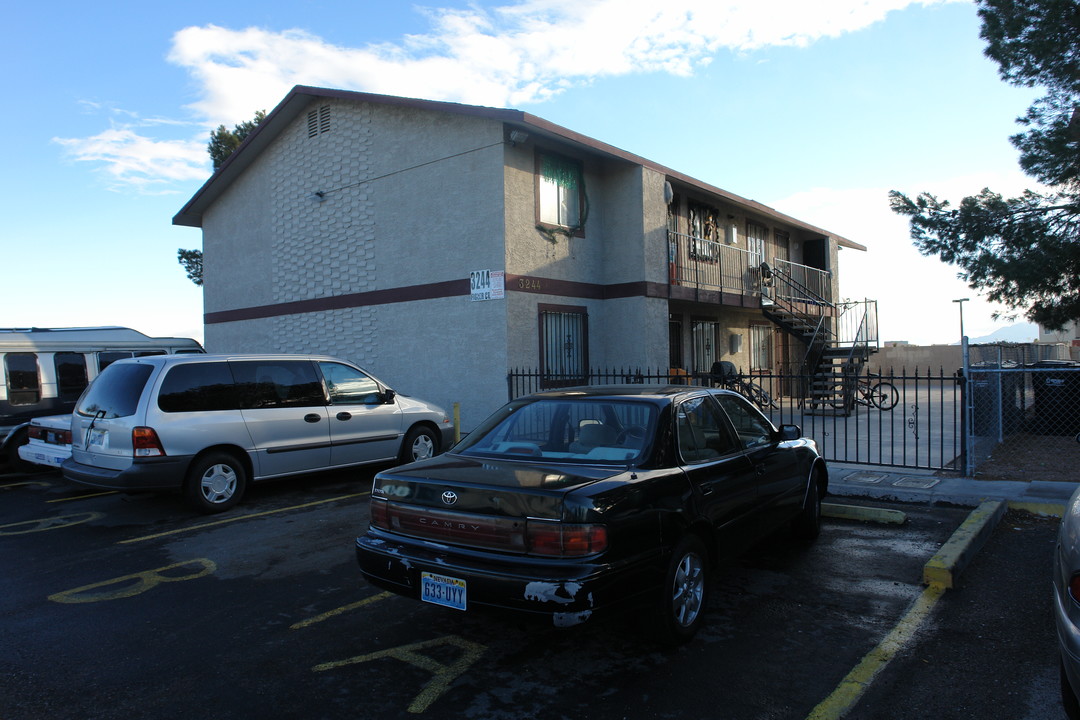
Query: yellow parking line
<point x="852" y="687"/>
<point x="83" y="497"/>
<point x="338" y="611"/>
<point x="237" y="519"/>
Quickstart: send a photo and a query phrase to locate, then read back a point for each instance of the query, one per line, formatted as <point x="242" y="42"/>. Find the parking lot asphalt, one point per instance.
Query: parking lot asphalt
<point x="116" y="606"/>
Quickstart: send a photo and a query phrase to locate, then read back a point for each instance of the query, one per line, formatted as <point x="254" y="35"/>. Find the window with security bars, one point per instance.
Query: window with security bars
<point x="564" y="345"/>
<point x="318" y="121"/>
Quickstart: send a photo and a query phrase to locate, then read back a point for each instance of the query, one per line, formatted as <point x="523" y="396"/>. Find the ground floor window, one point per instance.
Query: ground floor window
<point x="675" y="348"/>
<point x="761" y="348"/>
<point x="705" y="335"/>
<point x="564" y="344"/>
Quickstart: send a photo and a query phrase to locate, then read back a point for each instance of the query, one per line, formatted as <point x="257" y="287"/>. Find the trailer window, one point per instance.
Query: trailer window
<point x="23" y="380"/>
<point x="71" y="377"/>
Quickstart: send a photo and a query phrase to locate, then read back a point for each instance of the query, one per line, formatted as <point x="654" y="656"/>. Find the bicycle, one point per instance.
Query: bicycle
<point x="725" y="376"/>
<point x="881" y="394"/>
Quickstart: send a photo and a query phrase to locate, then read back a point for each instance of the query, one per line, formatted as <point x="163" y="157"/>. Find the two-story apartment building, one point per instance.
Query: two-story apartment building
<point x="440" y="245"/>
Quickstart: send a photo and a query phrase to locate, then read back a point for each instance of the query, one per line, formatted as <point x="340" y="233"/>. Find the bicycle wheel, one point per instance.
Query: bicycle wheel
<point x="884" y="395"/>
<point x="759" y="397"/>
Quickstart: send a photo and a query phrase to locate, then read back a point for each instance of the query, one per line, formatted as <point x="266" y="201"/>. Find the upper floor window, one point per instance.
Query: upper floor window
<point x="704" y="222"/>
<point x="756" y="236"/>
<point x="559" y="191"/>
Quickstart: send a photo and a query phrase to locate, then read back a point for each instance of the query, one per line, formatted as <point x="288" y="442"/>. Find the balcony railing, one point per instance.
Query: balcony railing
<point x="710" y="265"/>
<point x="813" y="285"/>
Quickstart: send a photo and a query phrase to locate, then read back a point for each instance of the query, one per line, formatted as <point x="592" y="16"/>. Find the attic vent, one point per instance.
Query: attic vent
<point x="318" y="121"/>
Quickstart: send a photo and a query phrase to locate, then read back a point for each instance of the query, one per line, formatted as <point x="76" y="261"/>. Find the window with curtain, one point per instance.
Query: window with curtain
<point x="564" y="345"/>
<point x="761" y="348"/>
<point x="705" y="335"/>
<point x="756" y="235"/>
<point x="559" y="190"/>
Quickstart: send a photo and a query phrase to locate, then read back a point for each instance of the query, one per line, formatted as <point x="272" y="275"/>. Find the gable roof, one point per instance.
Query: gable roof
<point x="301" y="96"/>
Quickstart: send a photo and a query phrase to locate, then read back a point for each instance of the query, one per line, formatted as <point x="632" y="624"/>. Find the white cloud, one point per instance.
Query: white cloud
<point x="509" y="55"/>
<point x="133" y="160"/>
<point x="914" y="292"/>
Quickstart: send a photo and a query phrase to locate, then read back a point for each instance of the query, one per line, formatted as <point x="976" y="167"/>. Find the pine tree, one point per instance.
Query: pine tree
<point x="1023" y="252"/>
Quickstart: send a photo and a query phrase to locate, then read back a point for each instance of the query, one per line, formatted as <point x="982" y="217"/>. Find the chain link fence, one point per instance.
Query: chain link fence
<point x="1023" y="412"/>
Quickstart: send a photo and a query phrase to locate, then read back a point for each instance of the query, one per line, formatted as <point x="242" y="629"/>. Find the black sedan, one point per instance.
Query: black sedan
<point x="567" y="503"/>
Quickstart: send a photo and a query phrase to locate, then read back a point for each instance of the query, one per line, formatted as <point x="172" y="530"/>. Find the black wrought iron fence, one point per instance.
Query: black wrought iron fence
<point x="897" y="419"/>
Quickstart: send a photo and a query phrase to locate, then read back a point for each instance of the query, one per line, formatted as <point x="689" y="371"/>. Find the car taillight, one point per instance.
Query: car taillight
<point x="564" y="539"/>
<point x="63" y="437"/>
<point x="380" y="514"/>
<point x="36" y="433"/>
<point x="145" y="443"/>
<point x="1074" y="587"/>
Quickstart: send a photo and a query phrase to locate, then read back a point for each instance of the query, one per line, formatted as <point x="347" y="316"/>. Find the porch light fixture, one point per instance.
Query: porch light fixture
<point x="735" y="343"/>
<point x="518" y="136"/>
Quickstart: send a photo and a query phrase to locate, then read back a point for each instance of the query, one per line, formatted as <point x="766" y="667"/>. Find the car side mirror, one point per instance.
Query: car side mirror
<point x="790" y="432"/>
<point x="388" y="396"/>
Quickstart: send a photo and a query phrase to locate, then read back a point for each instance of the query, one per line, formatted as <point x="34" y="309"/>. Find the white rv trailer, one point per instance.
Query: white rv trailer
<point x="44" y="370"/>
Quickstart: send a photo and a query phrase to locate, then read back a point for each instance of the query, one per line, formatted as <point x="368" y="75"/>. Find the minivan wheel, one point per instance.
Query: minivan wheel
<point x="420" y="443"/>
<point x="215" y="482"/>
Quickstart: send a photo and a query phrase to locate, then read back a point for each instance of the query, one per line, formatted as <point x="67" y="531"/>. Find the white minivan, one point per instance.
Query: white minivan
<point x="208" y="424"/>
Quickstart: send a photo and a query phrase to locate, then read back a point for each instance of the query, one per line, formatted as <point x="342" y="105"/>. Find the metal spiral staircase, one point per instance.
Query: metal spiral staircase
<point x="839" y="338"/>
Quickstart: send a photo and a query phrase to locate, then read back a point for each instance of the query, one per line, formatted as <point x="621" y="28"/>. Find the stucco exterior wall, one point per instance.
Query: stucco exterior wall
<point x="407" y="201"/>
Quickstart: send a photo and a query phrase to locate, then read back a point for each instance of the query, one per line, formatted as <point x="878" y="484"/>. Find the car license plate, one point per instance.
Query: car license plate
<point x="97" y="438"/>
<point x="441" y="590"/>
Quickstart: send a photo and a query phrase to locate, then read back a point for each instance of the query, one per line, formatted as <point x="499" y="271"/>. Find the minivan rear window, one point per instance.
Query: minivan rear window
<point x="198" y="387"/>
<point x="116" y="391"/>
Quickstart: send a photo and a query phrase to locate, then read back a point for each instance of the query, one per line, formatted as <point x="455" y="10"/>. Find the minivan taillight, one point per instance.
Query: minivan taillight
<point x="145" y="443"/>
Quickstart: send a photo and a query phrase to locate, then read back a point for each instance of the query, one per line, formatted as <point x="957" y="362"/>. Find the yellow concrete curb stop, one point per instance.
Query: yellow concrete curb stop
<point x="956" y="554"/>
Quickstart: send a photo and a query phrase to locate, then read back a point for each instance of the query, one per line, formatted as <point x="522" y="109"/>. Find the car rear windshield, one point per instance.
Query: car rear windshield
<point x="115" y="393"/>
<point x="578" y="430"/>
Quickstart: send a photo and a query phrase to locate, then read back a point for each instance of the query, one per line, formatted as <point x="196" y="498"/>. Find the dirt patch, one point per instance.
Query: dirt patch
<point x="1028" y="457"/>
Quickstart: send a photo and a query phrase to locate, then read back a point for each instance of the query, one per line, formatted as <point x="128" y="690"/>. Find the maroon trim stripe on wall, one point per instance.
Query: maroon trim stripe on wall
<point x="431" y="291"/>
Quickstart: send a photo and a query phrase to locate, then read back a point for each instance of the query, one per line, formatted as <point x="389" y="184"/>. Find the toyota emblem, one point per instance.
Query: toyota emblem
<point x="449" y="497"/>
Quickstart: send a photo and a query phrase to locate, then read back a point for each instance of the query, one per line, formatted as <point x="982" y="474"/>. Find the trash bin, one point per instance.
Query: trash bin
<point x="1056" y="384"/>
<point x="996" y="398"/>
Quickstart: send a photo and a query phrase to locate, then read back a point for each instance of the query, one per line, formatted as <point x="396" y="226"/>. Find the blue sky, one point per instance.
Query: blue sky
<point x="816" y="109"/>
